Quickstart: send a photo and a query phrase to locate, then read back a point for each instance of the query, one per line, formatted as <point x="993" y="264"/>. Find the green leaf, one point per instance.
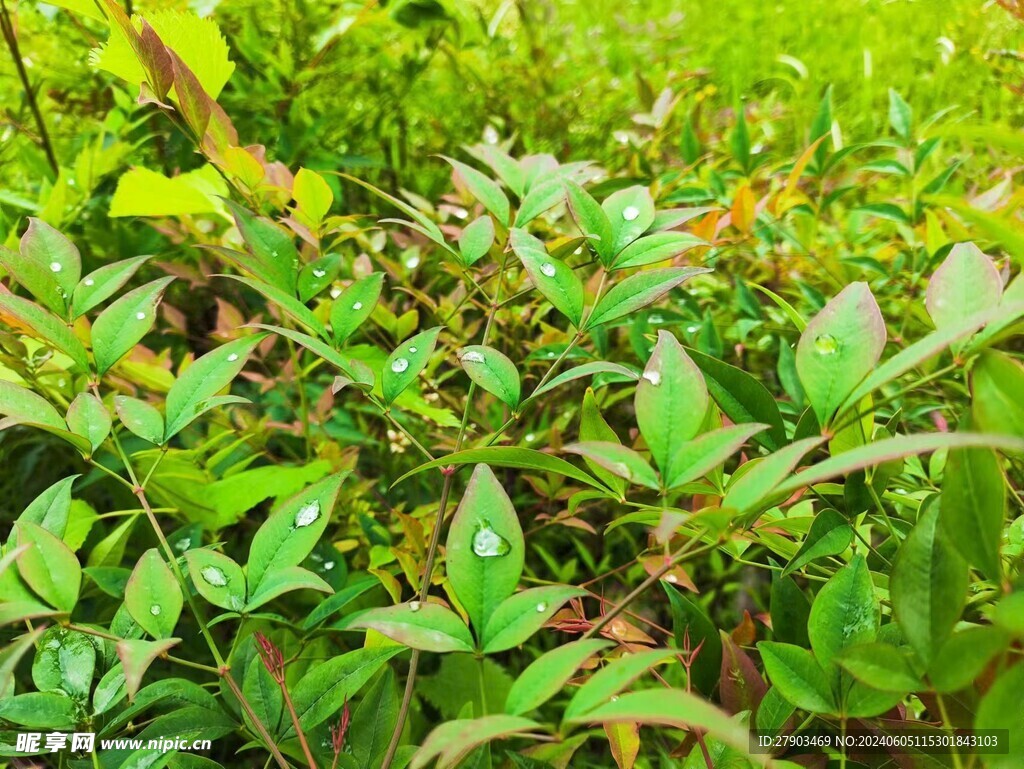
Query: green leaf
<point x="374" y="720"/>
<point x="890" y="449"/>
<point x="585" y="370"/>
<point x="964" y="656"/>
<point x="292" y="530"/>
<point x="405" y="363"/>
<point x="476" y="239"/>
<point x="484" y="189"/>
<point x="286" y="302"/>
<point x="900" y="115"/>
<point x="690" y="620"/>
<point x="65" y="661"/>
<point x="419" y="625"/>
<point x="1000" y="709"/>
<point x="313" y="195"/>
<point x="88" y="417"/>
<point x="335" y="603"/>
<point x="52" y="251"/>
<point x="264" y="696"/>
<point x="844" y="613"/>
<point x="996" y="383"/>
<point x="153" y="596"/>
<point x="426" y="226"/>
<point x="928" y="586"/>
<point x="110" y="690"/>
<point x="484" y="551"/>
<point x="965" y="284"/>
<point x="217" y="578"/>
<point x="657" y="247"/>
<point x="619" y="460"/>
<point x="317" y="275"/>
<point x="631" y="214"/>
<point x="523" y="614"/>
<point x="40" y="710"/>
<point x="103" y="283"/>
<point x="354" y="370"/>
<point x="354" y="305"/>
<point x="639" y="290"/>
<point x="544" y="193"/>
<point x="670" y="707"/>
<point x="592" y="221"/>
<point x="454" y="740"/>
<point x="25" y="407"/>
<point x="797" y="676"/>
<point x="322" y="691"/>
<point x="37" y="278"/>
<point x="125" y="322"/>
<point x="671" y="401"/>
<point x="136" y="656"/>
<point x="593" y="427"/>
<point x="839" y="347"/>
<point x="140" y="418"/>
<point x="612" y="679"/>
<point x="145" y="192"/>
<point x="277" y="581"/>
<point x="972" y="508"/>
<point x="741" y="397"/>
<point x="696" y="458"/>
<point x="547" y="675"/>
<point x="881" y="666"/>
<point x="492" y="371"/>
<point x="747" y="492"/>
<point x="206" y="377"/>
<point x="830" y="534"/>
<point x="42" y="325"/>
<point x="555" y="280"/>
<point x="272" y="255"/>
<point x="508" y="456"/>
<point x="48" y="566"/>
<point x="51" y="508"/>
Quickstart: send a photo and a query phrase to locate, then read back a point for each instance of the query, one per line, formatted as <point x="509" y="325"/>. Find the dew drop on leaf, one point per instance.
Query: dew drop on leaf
<point x="328" y="565"/>
<point x="414" y="606"/>
<point x="413" y="350"/>
<point x="56" y="266"/>
<point x="412" y="262"/>
<point x="399" y="365"/>
<point x="487" y="543"/>
<point x="629" y="213"/>
<point x="89" y="281"/>
<point x="542" y="607"/>
<point x="654" y="377"/>
<point x="140" y="316"/>
<point x="319" y="273"/>
<point x="357" y="306"/>
<point x="232" y="357"/>
<point x="307" y="514"/>
<point x="154" y="610"/>
<point x="548" y="269"/>
<point x="826" y="344"/>
<point x="214" y="576"/>
<point x="473" y="357"/>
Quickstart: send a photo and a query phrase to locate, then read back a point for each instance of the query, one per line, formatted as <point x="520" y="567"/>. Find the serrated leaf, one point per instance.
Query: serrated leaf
<point x="555" y="280"/>
<point x="523" y="614"/>
<point x="544" y="677"/>
<point x="202" y="380"/>
<point x="638" y="291"/>
<point x="492" y="371"/>
<point x="485" y="548"/>
<point x="153" y="596"/>
<point x="125" y="322"/>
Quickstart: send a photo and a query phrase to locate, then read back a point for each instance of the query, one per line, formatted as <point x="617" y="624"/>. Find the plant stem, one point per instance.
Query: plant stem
<point x="298" y="729"/>
<point x="12" y="45"/>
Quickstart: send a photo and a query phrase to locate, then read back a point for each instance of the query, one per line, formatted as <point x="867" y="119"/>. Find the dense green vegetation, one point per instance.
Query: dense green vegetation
<point x="520" y="384"/>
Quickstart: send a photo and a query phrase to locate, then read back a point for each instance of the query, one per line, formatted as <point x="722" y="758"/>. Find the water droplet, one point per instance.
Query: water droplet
<point x="548" y="269"/>
<point x="654" y="377"/>
<point x="89" y="281"/>
<point x="614" y="698"/>
<point x="414" y="606"/>
<point x="491" y="135"/>
<point x="214" y="576"/>
<point x="399" y="365"/>
<point x="319" y="273"/>
<point x="56" y="266"/>
<point x="412" y="262"/>
<point x="901" y="491"/>
<point x="656" y="319"/>
<point x="183" y="544"/>
<point x="140" y="316"/>
<point x="413" y="350"/>
<point x="619" y="628"/>
<point x="629" y="213"/>
<point x="672" y="578"/>
<point x="692" y="329"/>
<point x="542" y="607"/>
<point x="487" y="543"/>
<point x="460" y="213"/>
<point x="826" y="344"/>
<point x="232" y="357"/>
<point x="273" y="253"/>
<point x="154" y="610"/>
<point x="307" y="514"/>
<point x="551" y="353"/>
<point x="530" y="437"/>
<point x="357" y="306"/>
<point x="472" y="357"/>
<point x="335" y="292"/>
<point x="328" y="565"/>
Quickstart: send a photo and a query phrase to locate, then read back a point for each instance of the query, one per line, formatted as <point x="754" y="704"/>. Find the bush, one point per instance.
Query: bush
<point x="557" y="468"/>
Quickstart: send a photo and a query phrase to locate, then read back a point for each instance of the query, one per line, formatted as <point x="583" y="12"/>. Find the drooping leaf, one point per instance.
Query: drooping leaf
<point x="405" y="363"/>
<point x="153" y="596"/>
<point x="485" y="547"/>
<point x="545" y="676"/>
<point x="839" y="347"/>
<point x="419" y="625"/>
<point x="639" y="290"/>
<point x="493" y="371"/>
